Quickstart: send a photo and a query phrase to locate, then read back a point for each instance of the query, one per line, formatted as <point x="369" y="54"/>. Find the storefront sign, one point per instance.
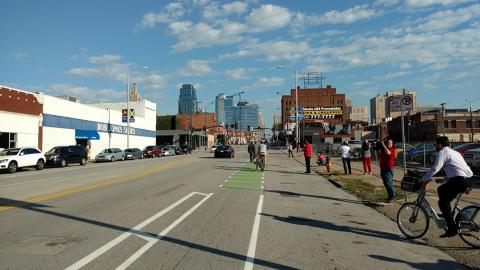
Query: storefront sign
<point x="114" y="129"/>
<point x="312" y="113"/>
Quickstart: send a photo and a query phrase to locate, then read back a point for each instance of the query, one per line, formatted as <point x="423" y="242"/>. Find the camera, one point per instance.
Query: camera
<point x="377" y="144"/>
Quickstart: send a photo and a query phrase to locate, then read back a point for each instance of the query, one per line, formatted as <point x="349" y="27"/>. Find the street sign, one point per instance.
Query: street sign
<point x="401" y="103"/>
<point x="130" y="116"/>
<point x="407" y="102"/>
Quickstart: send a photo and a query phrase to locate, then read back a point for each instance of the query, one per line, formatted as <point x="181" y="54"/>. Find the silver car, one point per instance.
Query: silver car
<point x="110" y="154"/>
<point x="133" y="153"/>
<point x="168" y="151"/>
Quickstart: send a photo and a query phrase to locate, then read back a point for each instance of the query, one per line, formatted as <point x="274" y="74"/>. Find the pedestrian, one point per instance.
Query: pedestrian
<point x="366" y="158"/>
<point x="290" y="150"/>
<point x="251" y="150"/>
<point x="345" y="154"/>
<point x="307" y="153"/>
<point x="386" y="156"/>
<point x="321" y="160"/>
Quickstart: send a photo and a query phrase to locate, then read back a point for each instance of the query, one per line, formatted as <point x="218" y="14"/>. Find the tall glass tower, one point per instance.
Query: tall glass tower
<point x="187" y="102"/>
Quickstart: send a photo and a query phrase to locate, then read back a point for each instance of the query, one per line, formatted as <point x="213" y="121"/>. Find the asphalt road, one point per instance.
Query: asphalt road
<point x="196" y="212"/>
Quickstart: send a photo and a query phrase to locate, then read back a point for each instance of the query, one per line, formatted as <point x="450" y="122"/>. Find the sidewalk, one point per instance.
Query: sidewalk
<point x="366" y="185"/>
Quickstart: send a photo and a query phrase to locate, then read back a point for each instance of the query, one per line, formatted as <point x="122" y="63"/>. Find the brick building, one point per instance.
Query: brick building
<point x="426" y="126"/>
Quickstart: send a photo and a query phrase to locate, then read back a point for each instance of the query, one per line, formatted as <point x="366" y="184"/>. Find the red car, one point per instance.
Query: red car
<point x="152" y="151"/>
<point x="466" y="146"/>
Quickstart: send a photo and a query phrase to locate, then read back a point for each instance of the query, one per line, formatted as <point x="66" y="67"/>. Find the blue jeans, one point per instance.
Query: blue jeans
<point x="387" y="177"/>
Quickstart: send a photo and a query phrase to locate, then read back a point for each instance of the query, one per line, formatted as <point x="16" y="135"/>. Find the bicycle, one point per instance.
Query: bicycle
<point x="413" y="218"/>
<point x="260" y="162"/>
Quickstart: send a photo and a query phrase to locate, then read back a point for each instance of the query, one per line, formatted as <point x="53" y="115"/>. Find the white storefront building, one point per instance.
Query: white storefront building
<point x="64" y="121"/>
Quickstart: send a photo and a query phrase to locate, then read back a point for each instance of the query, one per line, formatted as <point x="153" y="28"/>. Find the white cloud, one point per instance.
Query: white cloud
<point x="196" y="68"/>
<point x="272" y="50"/>
<point x="19" y="55"/>
<point x="360" y="83"/>
<point x="202" y="35"/>
<point x="85" y="94"/>
<point x="331" y="33"/>
<point x="426" y="3"/>
<point x="237" y="74"/>
<point x="104" y="59"/>
<point x="236" y="7"/>
<point x="348" y="16"/>
<point x="172" y="12"/>
<point x="272" y="81"/>
<point x="449" y="19"/>
<point x="392" y="75"/>
<point x="268" y="17"/>
<point x="386" y="3"/>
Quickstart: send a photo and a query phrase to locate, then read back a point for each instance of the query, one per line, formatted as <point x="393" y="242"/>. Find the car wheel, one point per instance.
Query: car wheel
<point x="40" y="164"/>
<point x="111" y="159"/>
<point x="63" y="163"/>
<point x="83" y="161"/>
<point x="123" y="158"/>
<point x="12" y="167"/>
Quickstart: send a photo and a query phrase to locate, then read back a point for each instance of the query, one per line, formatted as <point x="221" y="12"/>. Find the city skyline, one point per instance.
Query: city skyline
<point x="231" y="46"/>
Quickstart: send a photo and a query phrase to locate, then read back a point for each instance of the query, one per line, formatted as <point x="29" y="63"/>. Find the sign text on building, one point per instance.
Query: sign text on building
<point x="114" y="129"/>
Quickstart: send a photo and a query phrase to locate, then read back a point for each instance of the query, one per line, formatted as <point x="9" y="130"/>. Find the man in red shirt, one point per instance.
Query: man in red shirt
<point x="387" y="162"/>
<point x="307" y="154"/>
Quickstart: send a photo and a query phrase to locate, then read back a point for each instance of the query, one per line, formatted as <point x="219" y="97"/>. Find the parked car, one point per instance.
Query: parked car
<point x="14" y="158"/>
<point x="64" y="155"/>
<point x="472" y="157"/>
<point x="133" y="153"/>
<point x="187" y="149"/>
<point x="110" y="154"/>
<point x="213" y="148"/>
<point x="168" y="151"/>
<point x="465" y="147"/>
<point x="224" y="151"/>
<point x="178" y="150"/>
<point x="416" y="152"/>
<point x="151" y="151"/>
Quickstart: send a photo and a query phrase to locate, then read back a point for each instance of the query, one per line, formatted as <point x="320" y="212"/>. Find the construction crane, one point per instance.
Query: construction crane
<point x="239" y="94"/>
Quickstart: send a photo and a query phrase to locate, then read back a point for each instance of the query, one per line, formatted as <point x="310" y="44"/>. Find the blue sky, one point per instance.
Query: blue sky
<point x="86" y="48"/>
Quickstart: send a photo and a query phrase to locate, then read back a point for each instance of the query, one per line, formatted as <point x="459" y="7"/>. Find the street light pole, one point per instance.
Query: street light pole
<point x="128" y="109"/>
<point x="296" y="108"/>
<point x="443" y="118"/>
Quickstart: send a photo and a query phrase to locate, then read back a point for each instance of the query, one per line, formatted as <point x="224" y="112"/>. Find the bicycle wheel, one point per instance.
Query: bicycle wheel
<point x="468" y="222"/>
<point x="413" y="220"/>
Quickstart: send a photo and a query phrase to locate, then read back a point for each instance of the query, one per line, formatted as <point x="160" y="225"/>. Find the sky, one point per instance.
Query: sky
<point x="86" y="48"/>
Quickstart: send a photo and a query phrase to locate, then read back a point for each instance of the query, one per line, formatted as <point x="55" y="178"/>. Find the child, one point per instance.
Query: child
<point x="321" y="161"/>
<point x="329" y="164"/>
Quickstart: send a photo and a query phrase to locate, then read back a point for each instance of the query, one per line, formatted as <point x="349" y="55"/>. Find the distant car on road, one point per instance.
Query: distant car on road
<point x="64" y="155"/>
<point x="224" y="151"/>
<point x="462" y="148"/>
<point x="472" y="158"/>
<point x="133" y="153"/>
<point x="178" y="150"/>
<point x="168" y="151"/>
<point x="14" y="158"/>
<point x="187" y="149"/>
<point x="151" y="151"/>
<point x="110" y="154"/>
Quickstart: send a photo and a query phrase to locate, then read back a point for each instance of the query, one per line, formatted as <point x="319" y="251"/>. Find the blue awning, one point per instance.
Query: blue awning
<point x="81" y="134"/>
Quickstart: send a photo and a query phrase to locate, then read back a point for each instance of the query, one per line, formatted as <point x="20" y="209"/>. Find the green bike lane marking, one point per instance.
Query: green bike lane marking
<point x="247" y="177"/>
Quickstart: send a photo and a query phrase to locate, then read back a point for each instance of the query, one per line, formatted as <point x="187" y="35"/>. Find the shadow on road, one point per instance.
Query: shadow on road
<point x="37" y="208"/>
<point x="294" y="194"/>
<point x="341" y="228"/>
<point x="444" y="264"/>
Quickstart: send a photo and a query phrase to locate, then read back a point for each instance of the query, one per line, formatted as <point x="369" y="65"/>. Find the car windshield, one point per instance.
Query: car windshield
<point x="223" y="147"/>
<point x="129" y="150"/>
<point x="459" y="146"/>
<point x="10" y="152"/>
<point x="107" y="151"/>
<point x="55" y="150"/>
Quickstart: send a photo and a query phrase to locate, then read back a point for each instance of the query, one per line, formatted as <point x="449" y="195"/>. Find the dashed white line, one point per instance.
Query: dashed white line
<point x="253" y="239"/>
<point x="220" y="186"/>
<point x="225" y="181"/>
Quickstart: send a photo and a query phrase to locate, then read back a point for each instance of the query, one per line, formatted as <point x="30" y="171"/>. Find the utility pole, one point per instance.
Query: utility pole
<point x="471" y="119"/>
<point x="443" y="118"/>
<point x="128" y="110"/>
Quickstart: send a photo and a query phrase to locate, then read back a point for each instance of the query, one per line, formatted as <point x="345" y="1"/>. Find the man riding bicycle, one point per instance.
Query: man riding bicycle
<point x="458" y="175"/>
<point x="262" y="153"/>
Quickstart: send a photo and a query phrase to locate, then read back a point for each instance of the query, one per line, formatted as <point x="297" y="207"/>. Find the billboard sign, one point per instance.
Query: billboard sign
<point x="333" y="129"/>
<point x="401" y="103"/>
<point x="317" y="114"/>
<point x="130" y="116"/>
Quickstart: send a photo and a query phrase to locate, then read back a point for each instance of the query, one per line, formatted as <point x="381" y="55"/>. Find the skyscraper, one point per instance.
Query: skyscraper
<point x="223" y="105"/>
<point x="187" y="102"/>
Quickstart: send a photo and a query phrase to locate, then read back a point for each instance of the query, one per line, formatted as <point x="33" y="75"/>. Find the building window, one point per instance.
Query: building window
<point x="337" y="140"/>
<point x="454" y="123"/>
<point x="478" y="123"/>
<point x="469" y="123"/>
<point x="445" y="124"/>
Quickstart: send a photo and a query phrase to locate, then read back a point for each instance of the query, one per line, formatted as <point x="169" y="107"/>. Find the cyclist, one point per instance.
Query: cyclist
<point x="263" y="151"/>
<point x="458" y="176"/>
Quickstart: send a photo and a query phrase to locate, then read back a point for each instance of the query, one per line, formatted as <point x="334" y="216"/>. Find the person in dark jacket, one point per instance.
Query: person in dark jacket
<point x="251" y="150"/>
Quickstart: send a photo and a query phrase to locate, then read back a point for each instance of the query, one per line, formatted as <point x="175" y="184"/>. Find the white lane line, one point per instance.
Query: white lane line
<point x="220" y="186"/>
<point x="253" y="239"/>
<point x="225" y="181"/>
<point x="38" y="180"/>
<point x="142" y="250"/>
<point x="92" y="256"/>
<point x="200" y="193"/>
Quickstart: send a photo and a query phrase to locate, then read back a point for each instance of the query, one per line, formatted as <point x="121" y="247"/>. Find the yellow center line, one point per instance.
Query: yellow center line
<point x="93" y="186"/>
